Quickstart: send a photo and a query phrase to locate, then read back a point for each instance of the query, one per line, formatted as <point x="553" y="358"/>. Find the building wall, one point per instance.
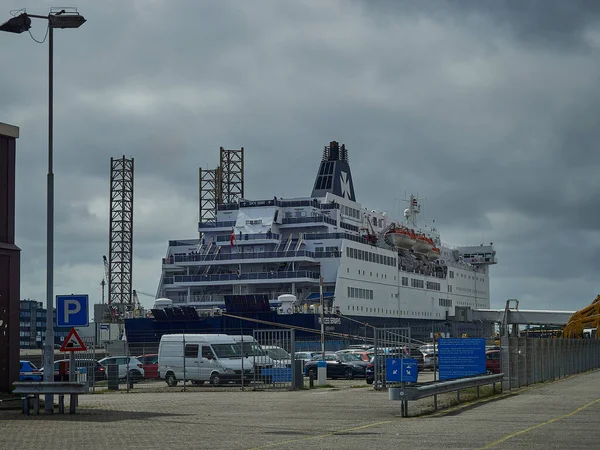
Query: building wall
<point x="32" y="325"/>
<point x="9" y="261"/>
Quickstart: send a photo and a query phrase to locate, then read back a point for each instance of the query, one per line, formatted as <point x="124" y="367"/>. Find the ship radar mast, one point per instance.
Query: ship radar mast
<point x="413" y="210"/>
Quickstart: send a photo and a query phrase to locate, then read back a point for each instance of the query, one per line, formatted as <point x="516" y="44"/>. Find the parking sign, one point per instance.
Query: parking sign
<point x="72" y="310"/>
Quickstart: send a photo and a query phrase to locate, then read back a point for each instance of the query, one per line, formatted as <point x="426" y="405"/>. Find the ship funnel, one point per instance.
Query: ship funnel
<point x="334" y="173"/>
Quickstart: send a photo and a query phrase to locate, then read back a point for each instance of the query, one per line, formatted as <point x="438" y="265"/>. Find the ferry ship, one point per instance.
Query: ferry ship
<point x="268" y="263"/>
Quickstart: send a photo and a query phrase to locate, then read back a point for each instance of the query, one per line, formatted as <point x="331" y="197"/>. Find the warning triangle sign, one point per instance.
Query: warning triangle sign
<point x="73" y="343"/>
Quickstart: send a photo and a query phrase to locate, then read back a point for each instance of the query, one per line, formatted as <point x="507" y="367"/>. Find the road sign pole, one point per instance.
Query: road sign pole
<point x="72" y="368"/>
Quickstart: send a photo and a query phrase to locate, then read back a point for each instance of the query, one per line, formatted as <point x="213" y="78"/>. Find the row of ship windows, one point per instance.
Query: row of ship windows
<point x="364" y="255"/>
<point x="477" y="305"/>
<point x="346" y="210"/>
<point x="445" y="302"/>
<point x="360" y="293"/>
<point x="472" y="291"/>
<point x="394" y="312"/>
<point x="383" y="275"/>
<point x="462" y="275"/>
<point x="416" y="283"/>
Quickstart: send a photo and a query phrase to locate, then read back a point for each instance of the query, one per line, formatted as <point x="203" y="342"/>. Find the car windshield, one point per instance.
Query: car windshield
<point x="278" y="353"/>
<point x="226" y="350"/>
<point x="349" y="357"/>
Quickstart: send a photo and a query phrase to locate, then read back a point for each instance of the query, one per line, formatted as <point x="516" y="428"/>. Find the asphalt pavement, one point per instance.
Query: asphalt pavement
<point x="561" y="414"/>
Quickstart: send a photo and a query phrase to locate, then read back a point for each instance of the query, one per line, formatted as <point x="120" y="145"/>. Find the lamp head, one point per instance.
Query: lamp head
<point x="66" y="20"/>
<point x="17" y="24"/>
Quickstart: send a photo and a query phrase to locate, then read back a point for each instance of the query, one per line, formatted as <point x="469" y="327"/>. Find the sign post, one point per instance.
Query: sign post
<point x="72" y="344"/>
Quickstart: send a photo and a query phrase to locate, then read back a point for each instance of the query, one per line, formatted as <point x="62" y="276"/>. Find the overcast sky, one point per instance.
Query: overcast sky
<point x="489" y="109"/>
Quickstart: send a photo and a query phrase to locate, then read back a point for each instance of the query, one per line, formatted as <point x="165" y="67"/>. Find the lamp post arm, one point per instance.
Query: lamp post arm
<point x="37" y="16"/>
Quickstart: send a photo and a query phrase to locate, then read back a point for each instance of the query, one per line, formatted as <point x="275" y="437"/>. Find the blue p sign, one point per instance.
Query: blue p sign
<point x="72" y="310"/>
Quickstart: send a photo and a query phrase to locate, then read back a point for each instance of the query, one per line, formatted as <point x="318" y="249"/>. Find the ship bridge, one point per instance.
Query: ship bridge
<point x="480" y="255"/>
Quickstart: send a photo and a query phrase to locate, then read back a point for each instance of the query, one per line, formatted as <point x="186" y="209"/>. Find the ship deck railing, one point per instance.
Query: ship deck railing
<point x="248" y="237"/>
<point x="243" y="276"/>
<point x="223" y="224"/>
<point x="196" y="257"/>
<point x="281" y="203"/>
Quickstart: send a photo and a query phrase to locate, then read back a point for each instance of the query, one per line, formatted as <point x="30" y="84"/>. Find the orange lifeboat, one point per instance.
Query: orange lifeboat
<point x="400" y="237"/>
<point x="423" y="244"/>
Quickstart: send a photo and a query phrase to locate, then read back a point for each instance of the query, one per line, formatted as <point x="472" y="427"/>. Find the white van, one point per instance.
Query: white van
<point x="215" y="358"/>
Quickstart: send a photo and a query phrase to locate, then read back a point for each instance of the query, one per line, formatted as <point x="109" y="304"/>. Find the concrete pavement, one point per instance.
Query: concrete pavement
<point x="562" y="414"/>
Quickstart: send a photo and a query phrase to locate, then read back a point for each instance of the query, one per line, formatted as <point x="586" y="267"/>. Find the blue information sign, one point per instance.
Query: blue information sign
<point x="72" y="310"/>
<point x="401" y="370"/>
<point x="460" y="357"/>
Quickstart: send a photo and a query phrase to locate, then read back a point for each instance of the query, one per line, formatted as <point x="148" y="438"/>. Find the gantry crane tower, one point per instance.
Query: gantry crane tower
<point x="120" y="258"/>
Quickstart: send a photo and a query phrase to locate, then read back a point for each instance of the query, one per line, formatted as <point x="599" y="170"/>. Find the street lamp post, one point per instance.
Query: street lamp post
<point x="20" y="24"/>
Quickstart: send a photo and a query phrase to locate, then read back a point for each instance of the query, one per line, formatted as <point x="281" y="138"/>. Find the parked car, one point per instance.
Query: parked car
<point x="305" y="356"/>
<point x="150" y="365"/>
<point x="415" y="353"/>
<point x="136" y="368"/>
<point x="95" y="371"/>
<point x="28" y="372"/>
<point x="362" y="354"/>
<point x="430" y="356"/>
<point x="280" y="357"/>
<point x="342" y="365"/>
<point x="493" y="362"/>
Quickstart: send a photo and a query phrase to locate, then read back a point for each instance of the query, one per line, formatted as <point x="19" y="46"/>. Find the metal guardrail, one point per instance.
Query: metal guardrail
<point x="33" y="390"/>
<point x="416" y="392"/>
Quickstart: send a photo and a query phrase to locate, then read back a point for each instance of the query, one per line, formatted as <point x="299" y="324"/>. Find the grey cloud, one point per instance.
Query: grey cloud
<point x="485" y="108"/>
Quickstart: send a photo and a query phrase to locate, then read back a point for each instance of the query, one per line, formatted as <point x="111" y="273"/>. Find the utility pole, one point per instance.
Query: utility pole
<point x="322" y="318"/>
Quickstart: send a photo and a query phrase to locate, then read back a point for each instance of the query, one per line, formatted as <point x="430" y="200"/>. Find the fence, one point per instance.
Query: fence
<point x="527" y="361"/>
<point x="389" y="343"/>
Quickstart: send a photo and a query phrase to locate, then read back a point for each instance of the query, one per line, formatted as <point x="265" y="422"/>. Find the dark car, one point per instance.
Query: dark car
<point x="343" y="365"/>
<point x="493" y="362"/>
<point x="150" y="365"/>
<point x="94" y="370"/>
<point x="28" y="372"/>
<point x="417" y="354"/>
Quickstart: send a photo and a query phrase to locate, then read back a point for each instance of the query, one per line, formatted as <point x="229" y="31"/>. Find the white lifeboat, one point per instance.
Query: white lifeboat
<point x="433" y="254"/>
<point x="423" y="244"/>
<point x="400" y="237"/>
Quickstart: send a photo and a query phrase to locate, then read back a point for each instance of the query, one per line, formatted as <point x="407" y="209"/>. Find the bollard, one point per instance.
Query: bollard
<point x="321" y="373"/>
<point x="311" y="379"/>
